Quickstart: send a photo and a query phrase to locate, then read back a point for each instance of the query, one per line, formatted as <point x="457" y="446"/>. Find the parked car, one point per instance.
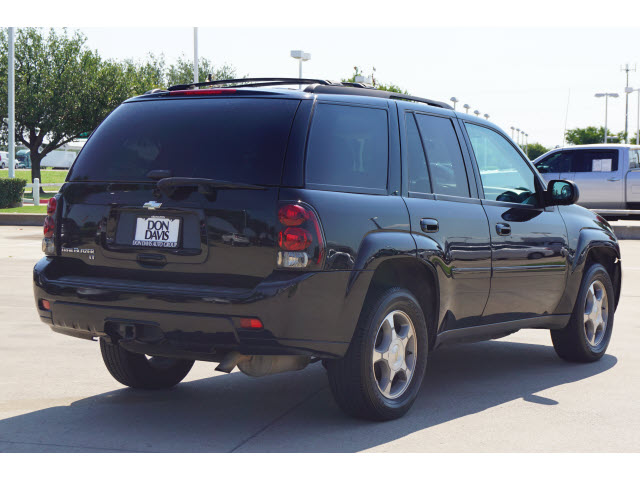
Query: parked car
<point x="59" y="159"/>
<point x="4" y="160"/>
<point x="378" y="227"/>
<point x="608" y="175"/>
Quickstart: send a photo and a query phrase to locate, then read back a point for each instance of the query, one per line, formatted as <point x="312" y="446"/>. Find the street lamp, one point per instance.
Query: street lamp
<point x="512" y="132"/>
<point x="606" y="108"/>
<point x="521" y="138"/>
<point x="518" y="136"/>
<point x="630" y="90"/>
<point x="477" y="112"/>
<point x="486" y="116"/>
<point x="301" y="57"/>
<point x="466" y="107"/>
<point x="454" y="100"/>
<point x="526" y="144"/>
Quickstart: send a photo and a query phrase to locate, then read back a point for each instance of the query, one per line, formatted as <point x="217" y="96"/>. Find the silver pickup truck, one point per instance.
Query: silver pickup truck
<point x="607" y="175"/>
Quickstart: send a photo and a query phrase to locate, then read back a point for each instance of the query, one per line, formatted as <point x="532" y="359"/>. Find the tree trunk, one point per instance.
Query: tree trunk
<point x="36" y="158"/>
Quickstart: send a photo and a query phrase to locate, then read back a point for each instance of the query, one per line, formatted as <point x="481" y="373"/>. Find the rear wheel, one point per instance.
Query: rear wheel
<point x="139" y="371"/>
<point x="586" y="336"/>
<point x="380" y="376"/>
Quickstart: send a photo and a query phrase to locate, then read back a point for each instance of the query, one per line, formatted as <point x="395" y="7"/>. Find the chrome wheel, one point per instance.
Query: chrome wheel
<point x="596" y="313"/>
<point x="394" y="354"/>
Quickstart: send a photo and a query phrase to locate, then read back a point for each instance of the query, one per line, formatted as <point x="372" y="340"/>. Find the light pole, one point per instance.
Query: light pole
<point x="454" y="100"/>
<point x="477" y="112"/>
<point x="512" y="132"/>
<point x="526" y="144"/>
<point x="195" y="55"/>
<point x="626" y="109"/>
<point x="466" y="107"/>
<point x="12" y="104"/>
<point x="606" y="109"/>
<point x="486" y="116"/>
<point x="301" y="57"/>
<point x="518" y="136"/>
<point x="629" y="90"/>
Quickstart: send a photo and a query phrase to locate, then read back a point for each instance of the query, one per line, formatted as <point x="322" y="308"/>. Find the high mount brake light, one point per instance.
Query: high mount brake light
<point x="202" y="91"/>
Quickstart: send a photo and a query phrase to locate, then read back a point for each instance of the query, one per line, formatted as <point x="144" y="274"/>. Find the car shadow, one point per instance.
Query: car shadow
<point x="292" y="412"/>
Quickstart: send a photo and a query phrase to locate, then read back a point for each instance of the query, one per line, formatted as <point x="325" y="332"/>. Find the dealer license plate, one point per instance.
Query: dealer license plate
<point x="157" y="232"/>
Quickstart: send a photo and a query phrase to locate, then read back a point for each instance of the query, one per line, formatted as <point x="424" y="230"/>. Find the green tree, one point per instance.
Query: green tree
<point x="535" y="150"/>
<point x="182" y="71"/>
<point x="584" y="136"/>
<point x="390" y="87"/>
<point x="62" y="89"/>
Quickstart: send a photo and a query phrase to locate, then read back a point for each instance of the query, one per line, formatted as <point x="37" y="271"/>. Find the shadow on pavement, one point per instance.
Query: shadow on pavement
<point x="292" y="411"/>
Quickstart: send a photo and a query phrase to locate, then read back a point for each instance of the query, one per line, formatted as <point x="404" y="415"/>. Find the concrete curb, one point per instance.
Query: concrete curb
<point x="23" y="219"/>
<point x="627" y="232"/>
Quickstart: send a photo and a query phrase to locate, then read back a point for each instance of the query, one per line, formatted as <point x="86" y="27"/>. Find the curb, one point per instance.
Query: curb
<point x="627" y="232"/>
<point x="23" y="219"/>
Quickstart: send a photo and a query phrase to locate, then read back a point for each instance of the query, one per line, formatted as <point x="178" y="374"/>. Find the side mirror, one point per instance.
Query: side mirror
<point x="561" y="192"/>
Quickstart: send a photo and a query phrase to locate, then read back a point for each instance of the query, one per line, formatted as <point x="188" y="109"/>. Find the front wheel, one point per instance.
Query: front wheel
<point x="586" y="336"/>
<point x="139" y="371"/>
<point x="380" y="376"/>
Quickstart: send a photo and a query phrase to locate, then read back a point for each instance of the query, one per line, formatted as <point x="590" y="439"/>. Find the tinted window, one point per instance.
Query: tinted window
<point x="448" y="175"/>
<point x="555" y="163"/>
<point x="505" y="175"/>
<point x="595" y="161"/>
<point x="242" y="140"/>
<point x="416" y="161"/>
<point x="348" y="146"/>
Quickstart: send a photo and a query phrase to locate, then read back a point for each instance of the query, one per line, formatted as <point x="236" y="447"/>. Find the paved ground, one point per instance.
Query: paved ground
<point x="501" y="396"/>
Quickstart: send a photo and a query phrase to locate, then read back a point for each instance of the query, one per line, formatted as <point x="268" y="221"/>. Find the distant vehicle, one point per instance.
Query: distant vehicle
<point x="608" y="175"/>
<point x="4" y="160"/>
<point x="24" y="157"/>
<point x="59" y="159"/>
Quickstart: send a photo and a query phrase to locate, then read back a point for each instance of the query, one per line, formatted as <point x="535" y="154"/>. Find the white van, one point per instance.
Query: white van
<point x="59" y="159"/>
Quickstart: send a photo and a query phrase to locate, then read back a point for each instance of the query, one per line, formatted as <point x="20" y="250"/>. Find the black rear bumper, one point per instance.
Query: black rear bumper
<point x="302" y="313"/>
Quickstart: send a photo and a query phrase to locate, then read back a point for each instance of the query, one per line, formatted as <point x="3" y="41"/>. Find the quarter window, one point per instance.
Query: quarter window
<point x="348" y="147"/>
<point x="595" y="161"/>
<point x="505" y="175"/>
<point x="634" y="158"/>
<point x="446" y="165"/>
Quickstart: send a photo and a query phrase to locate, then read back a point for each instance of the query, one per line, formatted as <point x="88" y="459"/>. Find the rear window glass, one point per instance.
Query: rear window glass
<point x="595" y="161"/>
<point x="237" y="140"/>
<point x="348" y="147"/>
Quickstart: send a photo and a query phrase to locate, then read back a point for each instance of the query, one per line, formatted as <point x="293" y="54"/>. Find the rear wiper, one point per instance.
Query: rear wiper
<point x="167" y="185"/>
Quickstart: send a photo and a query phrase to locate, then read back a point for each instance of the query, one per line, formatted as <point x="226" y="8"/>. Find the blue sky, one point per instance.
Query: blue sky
<point x="520" y="77"/>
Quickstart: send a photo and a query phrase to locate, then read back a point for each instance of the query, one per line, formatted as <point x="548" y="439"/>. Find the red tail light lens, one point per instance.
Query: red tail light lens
<point x="252" y="323"/>
<point x="294" y="238"/>
<point x="51" y="206"/>
<point x="45" y="305"/>
<point x="49" y="227"/>
<point x="292" y="215"/>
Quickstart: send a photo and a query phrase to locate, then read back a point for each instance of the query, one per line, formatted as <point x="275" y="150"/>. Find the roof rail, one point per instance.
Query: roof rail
<point x="363" y="90"/>
<point x="253" y="82"/>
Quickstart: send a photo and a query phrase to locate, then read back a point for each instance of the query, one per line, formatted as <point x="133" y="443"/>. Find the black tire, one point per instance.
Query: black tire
<point x="137" y="371"/>
<point x="352" y="378"/>
<point x="570" y="343"/>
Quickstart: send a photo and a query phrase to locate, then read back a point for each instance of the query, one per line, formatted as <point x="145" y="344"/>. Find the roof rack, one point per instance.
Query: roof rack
<point x="314" y="86"/>
<point x="253" y="82"/>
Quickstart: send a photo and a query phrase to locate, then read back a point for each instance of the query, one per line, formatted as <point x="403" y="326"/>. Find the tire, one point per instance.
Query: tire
<point x="137" y="371"/>
<point x="357" y="381"/>
<point x="578" y="341"/>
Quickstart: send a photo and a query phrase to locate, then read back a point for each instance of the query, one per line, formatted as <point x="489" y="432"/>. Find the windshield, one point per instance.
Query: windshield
<point x="236" y="140"/>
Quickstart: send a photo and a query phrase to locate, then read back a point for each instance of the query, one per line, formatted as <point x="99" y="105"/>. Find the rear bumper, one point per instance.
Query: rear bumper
<point x="302" y="313"/>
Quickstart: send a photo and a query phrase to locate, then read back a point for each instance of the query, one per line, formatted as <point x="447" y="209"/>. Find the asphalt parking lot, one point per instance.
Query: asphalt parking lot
<point x="508" y="395"/>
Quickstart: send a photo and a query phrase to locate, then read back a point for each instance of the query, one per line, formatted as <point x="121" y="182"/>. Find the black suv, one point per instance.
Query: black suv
<point x="266" y="228"/>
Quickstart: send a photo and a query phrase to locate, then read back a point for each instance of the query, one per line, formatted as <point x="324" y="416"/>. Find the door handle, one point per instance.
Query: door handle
<point x="429" y="225"/>
<point x="503" y="228"/>
<point x="613" y="179"/>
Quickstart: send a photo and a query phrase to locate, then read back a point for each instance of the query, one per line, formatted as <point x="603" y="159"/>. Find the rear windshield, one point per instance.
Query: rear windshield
<point x="237" y="140"/>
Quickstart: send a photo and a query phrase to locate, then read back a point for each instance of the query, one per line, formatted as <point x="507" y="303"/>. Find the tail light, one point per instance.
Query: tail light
<point x="300" y="238"/>
<point x="48" y="242"/>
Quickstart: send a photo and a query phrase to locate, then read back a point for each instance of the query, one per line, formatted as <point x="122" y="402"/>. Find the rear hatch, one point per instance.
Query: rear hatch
<point x="179" y="190"/>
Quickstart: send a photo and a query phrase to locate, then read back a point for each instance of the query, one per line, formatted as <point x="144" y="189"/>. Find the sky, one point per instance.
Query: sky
<point x="521" y="77"/>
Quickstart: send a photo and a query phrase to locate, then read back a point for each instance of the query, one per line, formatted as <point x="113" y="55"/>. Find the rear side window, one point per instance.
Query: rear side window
<point x="348" y="147"/>
<point x="237" y="140"/>
<point x="595" y="161"/>
<point x="446" y="165"/>
<point x="634" y="158"/>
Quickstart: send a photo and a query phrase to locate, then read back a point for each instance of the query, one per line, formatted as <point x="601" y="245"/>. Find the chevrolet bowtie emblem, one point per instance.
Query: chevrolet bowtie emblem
<point x="152" y="205"/>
